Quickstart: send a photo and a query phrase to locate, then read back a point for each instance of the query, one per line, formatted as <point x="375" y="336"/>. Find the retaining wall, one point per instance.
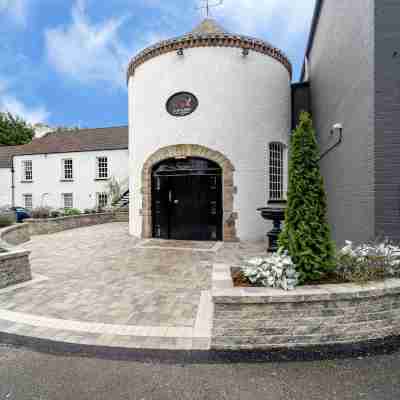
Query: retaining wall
<point x="14" y="268"/>
<point x="263" y="318"/>
<point x="21" y="233"/>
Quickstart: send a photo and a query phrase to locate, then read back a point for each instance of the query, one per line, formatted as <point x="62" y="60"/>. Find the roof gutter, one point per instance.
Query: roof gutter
<point x="314" y="24"/>
<point x="12" y="182"/>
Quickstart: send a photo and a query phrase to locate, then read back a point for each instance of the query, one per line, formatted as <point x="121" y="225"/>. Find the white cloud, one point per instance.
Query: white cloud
<point x="17" y="108"/>
<point x="257" y="16"/>
<point x="89" y="52"/>
<point x="10" y="103"/>
<point x="16" y="9"/>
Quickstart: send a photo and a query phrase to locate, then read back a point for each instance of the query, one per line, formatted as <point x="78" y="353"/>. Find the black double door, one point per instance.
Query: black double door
<point x="187" y="205"/>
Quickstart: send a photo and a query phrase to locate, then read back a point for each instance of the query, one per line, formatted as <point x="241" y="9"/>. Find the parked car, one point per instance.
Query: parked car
<point x="21" y="213"/>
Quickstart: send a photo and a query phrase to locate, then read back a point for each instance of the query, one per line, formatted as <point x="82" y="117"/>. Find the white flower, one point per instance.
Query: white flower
<point x="276" y="270"/>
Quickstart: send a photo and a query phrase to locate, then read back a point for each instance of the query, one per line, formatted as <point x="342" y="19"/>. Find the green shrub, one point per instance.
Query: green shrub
<point x="306" y="233"/>
<point x="6" y="220"/>
<point x="72" y="211"/>
<point x="41" y="212"/>
<point x="55" y="214"/>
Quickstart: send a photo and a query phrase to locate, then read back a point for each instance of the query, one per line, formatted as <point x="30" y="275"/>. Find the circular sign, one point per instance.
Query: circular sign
<point x="182" y="104"/>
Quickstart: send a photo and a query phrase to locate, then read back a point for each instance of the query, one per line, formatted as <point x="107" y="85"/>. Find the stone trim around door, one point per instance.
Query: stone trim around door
<point x="191" y="150"/>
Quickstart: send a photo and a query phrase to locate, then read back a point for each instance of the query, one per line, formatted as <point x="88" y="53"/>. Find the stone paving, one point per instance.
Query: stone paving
<point x="118" y="287"/>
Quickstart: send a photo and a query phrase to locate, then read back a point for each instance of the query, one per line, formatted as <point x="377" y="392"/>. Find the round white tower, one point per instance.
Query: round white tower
<point x="204" y="109"/>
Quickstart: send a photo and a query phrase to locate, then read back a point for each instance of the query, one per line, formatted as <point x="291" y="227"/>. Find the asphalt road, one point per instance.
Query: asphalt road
<point x="25" y="374"/>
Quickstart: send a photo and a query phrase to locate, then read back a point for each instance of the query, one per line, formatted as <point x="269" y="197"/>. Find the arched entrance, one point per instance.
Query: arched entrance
<point x="187" y="199"/>
<point x="182" y="152"/>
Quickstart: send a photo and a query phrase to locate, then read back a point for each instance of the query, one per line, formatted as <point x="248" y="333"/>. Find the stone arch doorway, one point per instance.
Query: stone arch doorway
<point x="187" y="199"/>
<point x="182" y="152"/>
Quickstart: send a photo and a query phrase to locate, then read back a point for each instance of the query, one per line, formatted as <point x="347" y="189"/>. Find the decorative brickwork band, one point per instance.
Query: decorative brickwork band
<point x="191" y="150"/>
<point x="208" y="40"/>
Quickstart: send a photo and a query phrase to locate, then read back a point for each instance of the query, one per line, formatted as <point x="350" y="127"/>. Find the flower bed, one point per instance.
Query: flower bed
<point x="360" y="264"/>
<point x="267" y="318"/>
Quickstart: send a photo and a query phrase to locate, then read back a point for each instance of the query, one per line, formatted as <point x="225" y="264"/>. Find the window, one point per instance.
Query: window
<point x="67" y="173"/>
<point x="28" y="201"/>
<point x="102" y="200"/>
<point x="276" y="171"/>
<point x="27" y="170"/>
<point x="68" y="201"/>
<point x="102" y="168"/>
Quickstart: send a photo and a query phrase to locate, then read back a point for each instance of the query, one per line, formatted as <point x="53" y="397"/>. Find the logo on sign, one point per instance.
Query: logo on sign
<point x="182" y="104"/>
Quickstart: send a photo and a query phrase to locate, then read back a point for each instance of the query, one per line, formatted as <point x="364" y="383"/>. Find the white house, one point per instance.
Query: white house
<point x="65" y="169"/>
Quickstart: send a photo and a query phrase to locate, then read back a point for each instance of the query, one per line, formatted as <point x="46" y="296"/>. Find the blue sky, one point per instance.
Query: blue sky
<point x="63" y="62"/>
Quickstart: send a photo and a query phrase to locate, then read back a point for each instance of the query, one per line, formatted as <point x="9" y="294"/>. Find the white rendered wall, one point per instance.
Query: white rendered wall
<point x="5" y="186"/>
<point x="244" y="103"/>
<point x="47" y="177"/>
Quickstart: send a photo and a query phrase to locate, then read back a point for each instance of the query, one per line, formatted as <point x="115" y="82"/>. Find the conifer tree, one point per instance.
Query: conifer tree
<point x="14" y="130"/>
<point x="306" y="233"/>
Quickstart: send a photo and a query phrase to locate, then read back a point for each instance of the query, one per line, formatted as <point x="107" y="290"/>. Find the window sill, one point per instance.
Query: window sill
<point x="66" y="180"/>
<point x="26" y="181"/>
<point x="101" y="179"/>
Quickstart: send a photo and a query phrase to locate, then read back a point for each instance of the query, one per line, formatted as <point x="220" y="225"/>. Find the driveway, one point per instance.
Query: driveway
<point x="118" y="287"/>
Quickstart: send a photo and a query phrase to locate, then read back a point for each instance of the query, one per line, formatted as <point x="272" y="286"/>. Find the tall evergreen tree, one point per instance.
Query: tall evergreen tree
<point x="14" y="130"/>
<point x="306" y="234"/>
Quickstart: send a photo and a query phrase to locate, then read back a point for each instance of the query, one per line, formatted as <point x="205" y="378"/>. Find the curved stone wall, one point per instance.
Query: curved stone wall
<point x="262" y="318"/>
<point x="21" y="233"/>
<point x="15" y="234"/>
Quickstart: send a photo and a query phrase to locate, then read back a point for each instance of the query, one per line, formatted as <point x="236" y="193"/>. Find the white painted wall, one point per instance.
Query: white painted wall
<point x="5" y="186"/>
<point x="244" y="103"/>
<point x="47" y="177"/>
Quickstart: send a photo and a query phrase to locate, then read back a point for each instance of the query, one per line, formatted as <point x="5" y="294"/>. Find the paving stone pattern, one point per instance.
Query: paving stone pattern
<point x="99" y="275"/>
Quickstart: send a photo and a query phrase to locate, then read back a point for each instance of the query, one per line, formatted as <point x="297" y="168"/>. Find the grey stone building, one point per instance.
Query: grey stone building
<point x="352" y="66"/>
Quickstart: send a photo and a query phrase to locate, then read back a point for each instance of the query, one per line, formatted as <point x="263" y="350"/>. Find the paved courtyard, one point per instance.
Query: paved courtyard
<point x="101" y="285"/>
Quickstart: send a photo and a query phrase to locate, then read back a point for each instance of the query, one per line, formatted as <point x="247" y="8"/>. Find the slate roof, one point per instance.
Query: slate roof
<point x="113" y="138"/>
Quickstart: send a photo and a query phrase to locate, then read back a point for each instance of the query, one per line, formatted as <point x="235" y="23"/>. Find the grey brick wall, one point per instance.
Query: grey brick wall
<point x="342" y="88"/>
<point x="264" y="318"/>
<point x="387" y="117"/>
<point x="14" y="268"/>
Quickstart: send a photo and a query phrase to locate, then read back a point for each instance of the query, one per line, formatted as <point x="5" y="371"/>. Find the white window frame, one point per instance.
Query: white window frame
<point x="99" y="198"/>
<point x="27" y="170"/>
<point x="102" y="171"/>
<point x="64" y="197"/>
<point x="24" y="197"/>
<point x="276" y="171"/>
<point x="70" y="169"/>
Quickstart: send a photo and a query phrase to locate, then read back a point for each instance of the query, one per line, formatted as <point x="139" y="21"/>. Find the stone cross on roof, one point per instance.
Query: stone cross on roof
<point x="209" y="5"/>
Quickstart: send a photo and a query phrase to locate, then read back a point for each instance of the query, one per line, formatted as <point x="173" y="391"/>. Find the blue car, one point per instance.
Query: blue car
<point x="21" y="213"/>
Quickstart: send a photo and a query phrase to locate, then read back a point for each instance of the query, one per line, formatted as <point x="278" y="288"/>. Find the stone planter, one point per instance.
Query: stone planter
<point x="14" y="267"/>
<point x="263" y="318"/>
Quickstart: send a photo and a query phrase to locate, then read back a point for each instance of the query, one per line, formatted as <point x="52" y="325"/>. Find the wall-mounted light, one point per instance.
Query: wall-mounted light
<point x="337" y="131"/>
<point x="245" y="52"/>
<point x="337" y="128"/>
<point x="180" y="52"/>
